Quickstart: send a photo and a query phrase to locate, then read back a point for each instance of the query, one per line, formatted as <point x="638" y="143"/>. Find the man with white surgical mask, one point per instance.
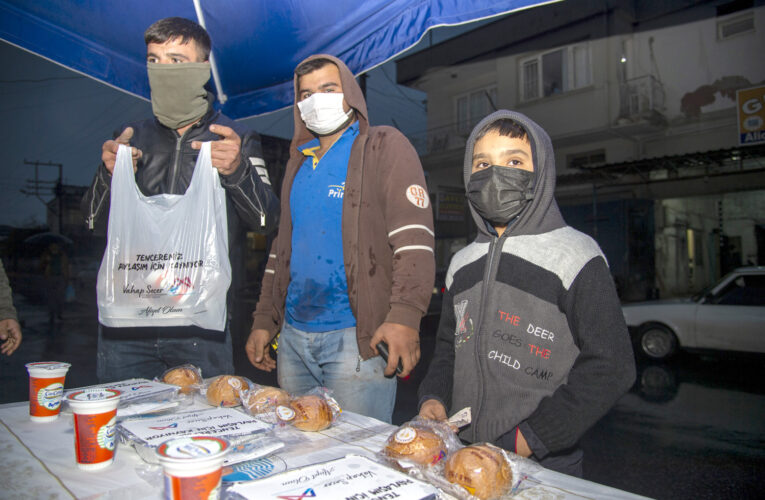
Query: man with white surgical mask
<point x="164" y="150"/>
<point x="353" y="262"/>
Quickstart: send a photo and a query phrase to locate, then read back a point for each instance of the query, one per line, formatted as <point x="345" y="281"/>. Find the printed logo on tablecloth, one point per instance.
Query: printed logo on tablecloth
<point x="254" y="469"/>
<point x="164" y="427"/>
<point x="309" y="493"/>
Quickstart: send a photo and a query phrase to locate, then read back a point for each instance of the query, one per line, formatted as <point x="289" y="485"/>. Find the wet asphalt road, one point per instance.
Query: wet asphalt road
<point x="693" y="428"/>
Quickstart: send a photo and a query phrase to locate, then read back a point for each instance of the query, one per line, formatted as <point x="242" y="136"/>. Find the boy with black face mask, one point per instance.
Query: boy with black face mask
<point x="532" y="338"/>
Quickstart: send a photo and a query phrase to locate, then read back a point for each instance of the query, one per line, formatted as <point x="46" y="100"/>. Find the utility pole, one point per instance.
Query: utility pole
<point x="39" y="187"/>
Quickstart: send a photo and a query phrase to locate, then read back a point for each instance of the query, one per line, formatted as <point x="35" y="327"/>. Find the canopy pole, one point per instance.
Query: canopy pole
<point x="222" y="97"/>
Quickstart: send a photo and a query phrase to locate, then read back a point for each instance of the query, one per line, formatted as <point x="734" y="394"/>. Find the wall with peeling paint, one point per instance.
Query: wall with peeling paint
<point x="654" y="93"/>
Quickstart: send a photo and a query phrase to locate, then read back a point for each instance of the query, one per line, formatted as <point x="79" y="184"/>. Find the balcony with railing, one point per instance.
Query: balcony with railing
<point x="439" y="139"/>
<point x="641" y="104"/>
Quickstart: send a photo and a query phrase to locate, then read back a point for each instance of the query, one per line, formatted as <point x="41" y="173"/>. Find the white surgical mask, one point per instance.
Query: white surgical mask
<point x="323" y="113"/>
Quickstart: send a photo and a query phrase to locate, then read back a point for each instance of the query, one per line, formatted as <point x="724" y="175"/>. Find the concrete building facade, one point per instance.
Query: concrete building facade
<point x="640" y="100"/>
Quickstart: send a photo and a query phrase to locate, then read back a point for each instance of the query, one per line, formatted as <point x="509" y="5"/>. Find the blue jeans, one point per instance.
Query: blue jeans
<point x="331" y="359"/>
<point x="120" y="359"/>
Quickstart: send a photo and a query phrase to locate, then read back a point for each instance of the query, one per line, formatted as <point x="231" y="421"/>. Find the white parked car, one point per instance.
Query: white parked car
<point x="728" y="316"/>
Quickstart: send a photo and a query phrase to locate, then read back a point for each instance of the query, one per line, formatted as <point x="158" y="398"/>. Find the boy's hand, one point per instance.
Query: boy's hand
<point x="521" y="446"/>
<point x="432" y="409"/>
<point x="403" y="343"/>
<point x="257" y="350"/>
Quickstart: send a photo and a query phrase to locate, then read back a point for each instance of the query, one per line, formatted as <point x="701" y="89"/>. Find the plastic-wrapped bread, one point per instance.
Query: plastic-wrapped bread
<point x="415" y="444"/>
<point x="225" y="389"/>
<point x="263" y="399"/>
<point x="483" y="470"/>
<point x="187" y="377"/>
<point x="307" y="413"/>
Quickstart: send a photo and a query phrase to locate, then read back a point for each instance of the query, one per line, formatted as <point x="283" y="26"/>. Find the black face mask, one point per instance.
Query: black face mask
<point x="500" y="193"/>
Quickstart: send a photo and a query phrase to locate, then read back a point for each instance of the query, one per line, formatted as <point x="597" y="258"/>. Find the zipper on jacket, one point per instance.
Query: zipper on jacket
<point x="261" y="211"/>
<point x="479" y="324"/>
<point x="176" y="162"/>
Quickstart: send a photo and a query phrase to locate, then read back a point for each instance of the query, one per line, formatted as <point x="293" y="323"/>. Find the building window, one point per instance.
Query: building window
<point x="555" y="72"/>
<point x="738" y="25"/>
<point x="474" y="106"/>
<point x="530" y="79"/>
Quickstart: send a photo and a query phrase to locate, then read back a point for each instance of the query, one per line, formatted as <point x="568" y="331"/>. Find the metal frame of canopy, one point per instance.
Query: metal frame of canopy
<point x="256" y="43"/>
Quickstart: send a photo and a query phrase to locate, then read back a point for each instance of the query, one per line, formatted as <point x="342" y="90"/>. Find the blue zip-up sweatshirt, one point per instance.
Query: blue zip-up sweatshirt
<point x="532" y="335"/>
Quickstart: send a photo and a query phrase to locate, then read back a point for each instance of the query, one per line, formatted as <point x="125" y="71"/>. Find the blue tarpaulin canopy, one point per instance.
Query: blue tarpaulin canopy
<point x="256" y="43"/>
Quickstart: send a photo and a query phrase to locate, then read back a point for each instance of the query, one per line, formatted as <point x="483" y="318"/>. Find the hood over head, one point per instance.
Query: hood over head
<point x="542" y="214"/>
<point x="353" y="96"/>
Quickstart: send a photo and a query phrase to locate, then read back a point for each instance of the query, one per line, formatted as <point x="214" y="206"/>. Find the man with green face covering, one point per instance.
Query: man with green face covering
<point x="164" y="150"/>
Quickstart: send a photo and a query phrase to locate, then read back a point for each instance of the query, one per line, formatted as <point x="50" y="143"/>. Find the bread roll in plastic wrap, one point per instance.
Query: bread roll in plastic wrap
<point x="483" y="470"/>
<point x="224" y="390"/>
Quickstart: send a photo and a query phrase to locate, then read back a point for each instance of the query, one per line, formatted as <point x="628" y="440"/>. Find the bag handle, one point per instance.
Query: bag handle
<point x="204" y="173"/>
<point x="123" y="177"/>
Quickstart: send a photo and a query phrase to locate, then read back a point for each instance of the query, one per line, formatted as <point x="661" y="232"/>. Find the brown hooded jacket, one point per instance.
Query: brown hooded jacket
<point x="387" y="228"/>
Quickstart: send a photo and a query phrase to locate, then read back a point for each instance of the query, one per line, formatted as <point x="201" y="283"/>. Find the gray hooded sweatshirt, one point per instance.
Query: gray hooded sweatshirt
<point x="532" y="336"/>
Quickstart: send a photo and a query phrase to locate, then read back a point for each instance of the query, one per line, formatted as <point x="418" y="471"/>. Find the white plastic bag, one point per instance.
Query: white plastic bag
<point x="166" y="260"/>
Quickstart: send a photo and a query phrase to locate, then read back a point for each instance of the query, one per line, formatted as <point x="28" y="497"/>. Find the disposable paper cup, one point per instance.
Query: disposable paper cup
<point x="46" y="388"/>
<point x="193" y="467"/>
<point x="95" y="426"/>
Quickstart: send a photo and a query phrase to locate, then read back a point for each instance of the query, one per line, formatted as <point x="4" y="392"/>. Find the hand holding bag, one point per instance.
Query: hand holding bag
<point x="166" y="261"/>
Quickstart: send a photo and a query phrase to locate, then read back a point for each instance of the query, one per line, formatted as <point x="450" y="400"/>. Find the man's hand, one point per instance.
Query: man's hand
<point x="10" y="333"/>
<point x="257" y="350"/>
<point x="225" y="152"/>
<point x="403" y="343"/>
<point x="109" y="150"/>
<point x="432" y="409"/>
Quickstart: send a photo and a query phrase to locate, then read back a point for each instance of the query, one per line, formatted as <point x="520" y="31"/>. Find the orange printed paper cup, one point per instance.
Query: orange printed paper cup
<point x="46" y="388"/>
<point x="193" y="467"/>
<point x="95" y="426"/>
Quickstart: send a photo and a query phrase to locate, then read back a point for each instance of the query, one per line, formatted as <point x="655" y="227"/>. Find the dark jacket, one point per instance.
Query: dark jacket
<point x="167" y="165"/>
<point x="532" y="335"/>
<point x="387" y="228"/>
